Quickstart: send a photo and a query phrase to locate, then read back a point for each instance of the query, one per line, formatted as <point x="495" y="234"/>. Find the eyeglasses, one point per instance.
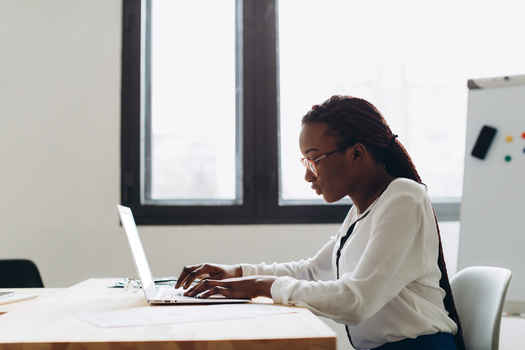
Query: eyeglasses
<point x="132" y="285"/>
<point x="310" y="164"/>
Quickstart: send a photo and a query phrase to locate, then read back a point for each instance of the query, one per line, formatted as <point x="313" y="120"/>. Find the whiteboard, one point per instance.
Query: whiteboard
<point x="492" y="213"/>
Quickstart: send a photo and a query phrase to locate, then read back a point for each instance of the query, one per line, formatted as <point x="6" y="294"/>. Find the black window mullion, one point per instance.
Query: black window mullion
<point x="130" y="102"/>
<point x="249" y="93"/>
<point x="265" y="111"/>
<point x="146" y="173"/>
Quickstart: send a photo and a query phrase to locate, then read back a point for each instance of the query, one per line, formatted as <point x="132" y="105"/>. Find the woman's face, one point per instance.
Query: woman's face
<point x="334" y="179"/>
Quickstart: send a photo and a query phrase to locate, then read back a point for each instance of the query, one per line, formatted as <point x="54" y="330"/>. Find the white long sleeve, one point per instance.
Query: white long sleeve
<point x="317" y="268"/>
<point x="389" y="278"/>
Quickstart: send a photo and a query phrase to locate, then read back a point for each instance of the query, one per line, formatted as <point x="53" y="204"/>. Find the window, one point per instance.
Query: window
<point x="213" y="92"/>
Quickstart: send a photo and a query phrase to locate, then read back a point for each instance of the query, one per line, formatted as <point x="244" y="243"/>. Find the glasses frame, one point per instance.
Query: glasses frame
<point x="132" y="285"/>
<point x="311" y="164"/>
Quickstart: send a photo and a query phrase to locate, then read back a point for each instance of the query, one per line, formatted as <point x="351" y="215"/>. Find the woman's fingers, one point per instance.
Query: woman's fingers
<point x="236" y="288"/>
<point x="204" y="271"/>
<point x="190" y="273"/>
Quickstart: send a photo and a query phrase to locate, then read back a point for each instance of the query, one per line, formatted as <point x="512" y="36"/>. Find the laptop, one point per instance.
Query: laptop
<point x="158" y="294"/>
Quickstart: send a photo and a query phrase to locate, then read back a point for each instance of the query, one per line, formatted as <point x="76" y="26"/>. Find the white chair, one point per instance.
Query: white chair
<point x="479" y="293"/>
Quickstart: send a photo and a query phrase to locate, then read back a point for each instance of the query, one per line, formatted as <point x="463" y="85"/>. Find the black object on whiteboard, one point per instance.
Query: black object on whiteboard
<point x="482" y="145"/>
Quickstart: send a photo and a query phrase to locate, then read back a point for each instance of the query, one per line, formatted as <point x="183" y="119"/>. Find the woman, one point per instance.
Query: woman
<point x="383" y="273"/>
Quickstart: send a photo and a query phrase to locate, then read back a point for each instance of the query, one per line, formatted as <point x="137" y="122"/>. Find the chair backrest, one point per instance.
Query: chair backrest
<point x="19" y="273"/>
<point x="479" y="294"/>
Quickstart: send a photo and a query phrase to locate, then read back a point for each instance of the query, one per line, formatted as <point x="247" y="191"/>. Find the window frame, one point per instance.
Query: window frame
<point x="258" y="144"/>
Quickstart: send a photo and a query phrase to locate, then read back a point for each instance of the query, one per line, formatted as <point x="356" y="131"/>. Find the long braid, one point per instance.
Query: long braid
<point x="354" y="120"/>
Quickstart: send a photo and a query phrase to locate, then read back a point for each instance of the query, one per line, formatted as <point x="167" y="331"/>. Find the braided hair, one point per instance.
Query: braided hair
<point x="352" y="120"/>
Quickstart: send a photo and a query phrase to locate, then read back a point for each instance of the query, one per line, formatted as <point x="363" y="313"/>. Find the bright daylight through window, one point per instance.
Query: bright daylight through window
<point x="412" y="65"/>
<point x="193" y="102"/>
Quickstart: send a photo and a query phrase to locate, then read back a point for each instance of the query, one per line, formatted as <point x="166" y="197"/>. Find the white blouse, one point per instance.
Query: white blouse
<point x="388" y="288"/>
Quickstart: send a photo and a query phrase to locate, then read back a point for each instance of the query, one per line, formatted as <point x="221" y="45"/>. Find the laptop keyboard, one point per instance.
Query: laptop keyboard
<point x="170" y="294"/>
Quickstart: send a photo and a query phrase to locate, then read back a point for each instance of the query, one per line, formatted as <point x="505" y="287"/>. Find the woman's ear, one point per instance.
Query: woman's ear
<point x="358" y="153"/>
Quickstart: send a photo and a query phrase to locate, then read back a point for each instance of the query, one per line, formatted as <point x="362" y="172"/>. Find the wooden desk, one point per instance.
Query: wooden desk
<point x="50" y="323"/>
<point x="39" y="292"/>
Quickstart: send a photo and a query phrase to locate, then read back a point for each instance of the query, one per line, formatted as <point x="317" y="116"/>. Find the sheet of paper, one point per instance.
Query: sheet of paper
<point x="17" y="297"/>
<point x="155" y="315"/>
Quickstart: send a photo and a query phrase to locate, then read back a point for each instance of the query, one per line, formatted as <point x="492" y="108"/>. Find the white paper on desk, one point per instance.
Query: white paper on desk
<point x="17" y="297"/>
<point x="155" y="315"/>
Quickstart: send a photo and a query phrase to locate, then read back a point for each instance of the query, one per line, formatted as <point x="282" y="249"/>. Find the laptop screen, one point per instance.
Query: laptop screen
<point x="139" y="256"/>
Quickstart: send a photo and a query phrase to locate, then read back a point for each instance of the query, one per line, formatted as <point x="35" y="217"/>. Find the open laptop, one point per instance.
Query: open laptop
<point x="157" y="294"/>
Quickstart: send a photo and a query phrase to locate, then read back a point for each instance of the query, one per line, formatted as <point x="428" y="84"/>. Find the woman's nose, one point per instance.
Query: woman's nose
<point x="309" y="176"/>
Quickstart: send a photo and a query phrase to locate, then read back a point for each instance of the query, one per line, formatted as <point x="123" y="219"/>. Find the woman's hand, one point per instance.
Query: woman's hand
<point x="206" y="271"/>
<point x="234" y="288"/>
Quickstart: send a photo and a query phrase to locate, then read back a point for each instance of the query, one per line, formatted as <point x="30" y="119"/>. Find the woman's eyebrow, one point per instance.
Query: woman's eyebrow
<point x="310" y="150"/>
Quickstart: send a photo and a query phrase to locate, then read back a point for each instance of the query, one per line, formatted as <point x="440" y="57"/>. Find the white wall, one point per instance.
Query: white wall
<point x="60" y="156"/>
